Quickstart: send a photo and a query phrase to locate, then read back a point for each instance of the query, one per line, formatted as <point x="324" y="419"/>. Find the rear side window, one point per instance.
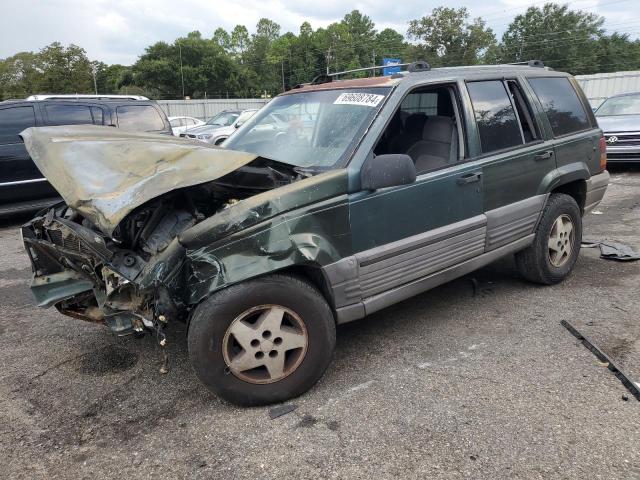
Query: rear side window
<point x="140" y="118"/>
<point x="560" y="101"/>
<point x="69" y="114"/>
<point x="496" y="119"/>
<point x="13" y="121"/>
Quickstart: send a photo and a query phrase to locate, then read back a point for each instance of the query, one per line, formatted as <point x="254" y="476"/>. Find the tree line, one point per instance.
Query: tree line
<point x="237" y="63"/>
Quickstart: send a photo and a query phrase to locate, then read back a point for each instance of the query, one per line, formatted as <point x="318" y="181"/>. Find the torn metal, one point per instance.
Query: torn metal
<point x="176" y="222"/>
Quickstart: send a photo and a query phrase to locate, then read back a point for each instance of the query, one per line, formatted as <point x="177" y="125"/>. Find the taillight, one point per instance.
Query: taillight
<point x="603" y="154"/>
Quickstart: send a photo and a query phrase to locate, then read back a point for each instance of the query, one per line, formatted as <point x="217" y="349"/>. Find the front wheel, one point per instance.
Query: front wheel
<point x="263" y="341"/>
<point x="556" y="245"/>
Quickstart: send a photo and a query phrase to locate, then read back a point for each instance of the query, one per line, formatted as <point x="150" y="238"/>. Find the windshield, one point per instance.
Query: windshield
<point x="223" y="119"/>
<point x="311" y="129"/>
<point x="624" y="105"/>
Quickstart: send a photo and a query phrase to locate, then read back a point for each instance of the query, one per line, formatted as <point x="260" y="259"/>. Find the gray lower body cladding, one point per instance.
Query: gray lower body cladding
<point x="371" y="280"/>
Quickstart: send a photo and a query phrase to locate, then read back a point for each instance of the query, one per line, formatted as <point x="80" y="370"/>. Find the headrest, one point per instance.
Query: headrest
<point x="438" y="129"/>
<point x="414" y="123"/>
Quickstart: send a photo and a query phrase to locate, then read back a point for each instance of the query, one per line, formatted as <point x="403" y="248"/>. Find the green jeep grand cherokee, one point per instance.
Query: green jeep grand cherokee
<point x="337" y="199"/>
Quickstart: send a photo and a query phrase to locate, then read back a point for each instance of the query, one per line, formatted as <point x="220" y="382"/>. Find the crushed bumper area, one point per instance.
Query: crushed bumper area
<point x="86" y="275"/>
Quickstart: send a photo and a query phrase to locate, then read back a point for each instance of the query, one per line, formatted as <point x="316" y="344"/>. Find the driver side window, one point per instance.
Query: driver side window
<point x="426" y="126"/>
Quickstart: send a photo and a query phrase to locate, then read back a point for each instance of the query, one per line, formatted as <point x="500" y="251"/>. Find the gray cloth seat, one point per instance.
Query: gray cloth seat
<point x="438" y="147"/>
<point x="410" y="134"/>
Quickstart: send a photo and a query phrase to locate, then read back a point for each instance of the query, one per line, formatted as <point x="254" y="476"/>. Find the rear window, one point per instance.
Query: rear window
<point x="560" y="101"/>
<point x="140" y="118"/>
<point x="13" y="121"/>
<point x="496" y="119"/>
<point x="69" y="115"/>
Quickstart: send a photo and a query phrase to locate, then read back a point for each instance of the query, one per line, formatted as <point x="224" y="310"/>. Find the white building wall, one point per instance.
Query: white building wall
<point x="205" y="109"/>
<point x="600" y="86"/>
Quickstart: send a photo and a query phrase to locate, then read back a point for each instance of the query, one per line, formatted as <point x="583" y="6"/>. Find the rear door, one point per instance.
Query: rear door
<point x="20" y="180"/>
<point x="570" y="123"/>
<point x="515" y="158"/>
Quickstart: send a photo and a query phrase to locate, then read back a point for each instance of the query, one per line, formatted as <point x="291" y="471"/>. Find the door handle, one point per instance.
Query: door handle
<point x="469" y="178"/>
<point x="543" y="155"/>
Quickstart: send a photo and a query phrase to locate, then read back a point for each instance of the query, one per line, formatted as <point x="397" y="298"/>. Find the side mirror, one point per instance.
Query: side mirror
<point x="239" y="124"/>
<point x="389" y="170"/>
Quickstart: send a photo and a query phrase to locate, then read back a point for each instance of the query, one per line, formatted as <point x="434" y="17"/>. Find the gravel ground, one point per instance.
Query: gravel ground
<point x="449" y="384"/>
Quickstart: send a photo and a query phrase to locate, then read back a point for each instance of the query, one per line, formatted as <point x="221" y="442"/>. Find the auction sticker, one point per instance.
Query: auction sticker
<point x="355" y="98"/>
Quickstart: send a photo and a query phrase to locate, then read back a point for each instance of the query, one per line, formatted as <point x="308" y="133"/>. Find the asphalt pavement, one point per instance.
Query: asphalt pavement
<point x="475" y="379"/>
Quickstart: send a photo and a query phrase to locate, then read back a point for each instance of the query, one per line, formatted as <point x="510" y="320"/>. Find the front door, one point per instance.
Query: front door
<point x="405" y="233"/>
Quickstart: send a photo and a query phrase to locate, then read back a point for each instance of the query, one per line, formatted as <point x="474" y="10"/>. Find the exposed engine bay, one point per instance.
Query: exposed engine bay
<point x="134" y="278"/>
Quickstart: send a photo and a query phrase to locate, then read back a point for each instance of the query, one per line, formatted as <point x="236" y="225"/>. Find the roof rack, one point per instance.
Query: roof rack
<point x="84" y="96"/>
<point x="419" y="66"/>
<point x="530" y="63"/>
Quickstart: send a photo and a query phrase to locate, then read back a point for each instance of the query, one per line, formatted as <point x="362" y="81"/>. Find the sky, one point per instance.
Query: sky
<point x="117" y="31"/>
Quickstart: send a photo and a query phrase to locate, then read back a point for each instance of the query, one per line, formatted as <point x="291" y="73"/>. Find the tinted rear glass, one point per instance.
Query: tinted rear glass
<point x="69" y="114"/>
<point x="140" y="118"/>
<point x="561" y="104"/>
<point x="13" y="121"/>
<point x="495" y="117"/>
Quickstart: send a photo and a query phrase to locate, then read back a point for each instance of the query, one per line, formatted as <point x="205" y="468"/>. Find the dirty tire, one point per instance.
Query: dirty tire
<point x="214" y="316"/>
<point x="534" y="263"/>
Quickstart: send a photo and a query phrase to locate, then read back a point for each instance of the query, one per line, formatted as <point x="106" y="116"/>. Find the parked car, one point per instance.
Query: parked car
<point x="376" y="190"/>
<point x="220" y="127"/>
<point x="619" y="118"/>
<point x="184" y="124"/>
<point x="22" y="185"/>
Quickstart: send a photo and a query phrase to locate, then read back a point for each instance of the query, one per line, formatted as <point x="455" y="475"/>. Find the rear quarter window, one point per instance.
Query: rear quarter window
<point x="13" y="121"/>
<point x="139" y="118"/>
<point x="562" y="105"/>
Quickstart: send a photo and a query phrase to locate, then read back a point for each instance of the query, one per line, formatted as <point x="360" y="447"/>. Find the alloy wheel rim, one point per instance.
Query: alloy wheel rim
<point x="265" y="344"/>
<point x="561" y="238"/>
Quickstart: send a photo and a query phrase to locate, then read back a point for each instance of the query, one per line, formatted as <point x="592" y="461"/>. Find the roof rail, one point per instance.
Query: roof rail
<point x="84" y="97"/>
<point x="419" y="66"/>
<point x="530" y="63"/>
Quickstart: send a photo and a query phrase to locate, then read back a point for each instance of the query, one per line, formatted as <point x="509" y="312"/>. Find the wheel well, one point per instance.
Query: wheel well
<point x="312" y="274"/>
<point x="576" y="189"/>
<point x="220" y="140"/>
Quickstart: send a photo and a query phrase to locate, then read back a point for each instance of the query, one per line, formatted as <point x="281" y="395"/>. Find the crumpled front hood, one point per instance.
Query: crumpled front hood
<point x="105" y="173"/>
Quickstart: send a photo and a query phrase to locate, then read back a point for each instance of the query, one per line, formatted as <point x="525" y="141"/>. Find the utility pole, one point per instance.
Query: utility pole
<point x="328" y="59"/>
<point x="95" y="83"/>
<point x="373" y="55"/>
<point x="181" y="73"/>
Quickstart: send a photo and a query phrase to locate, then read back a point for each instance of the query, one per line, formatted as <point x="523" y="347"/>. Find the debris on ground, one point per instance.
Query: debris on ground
<point x="634" y="388"/>
<point x="613" y="250"/>
<point x="281" y="410"/>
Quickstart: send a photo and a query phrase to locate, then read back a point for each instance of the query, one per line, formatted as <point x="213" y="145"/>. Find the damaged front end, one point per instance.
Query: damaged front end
<point x="114" y="255"/>
<point x="88" y="275"/>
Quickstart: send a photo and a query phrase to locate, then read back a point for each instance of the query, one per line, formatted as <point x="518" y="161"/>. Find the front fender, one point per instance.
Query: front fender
<point x="315" y="235"/>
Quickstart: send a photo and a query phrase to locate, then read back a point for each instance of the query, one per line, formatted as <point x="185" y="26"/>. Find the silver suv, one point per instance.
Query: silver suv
<point x="220" y="127"/>
<point x="619" y="118"/>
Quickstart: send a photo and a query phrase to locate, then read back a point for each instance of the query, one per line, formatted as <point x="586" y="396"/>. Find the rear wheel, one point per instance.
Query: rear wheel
<point x="556" y="246"/>
<point x="263" y="341"/>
